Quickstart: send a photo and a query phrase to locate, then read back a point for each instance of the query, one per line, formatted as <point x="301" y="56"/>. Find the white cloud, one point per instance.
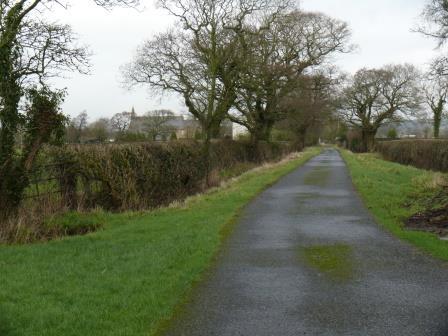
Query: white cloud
<point x="112" y="36"/>
<point x="381" y="28"/>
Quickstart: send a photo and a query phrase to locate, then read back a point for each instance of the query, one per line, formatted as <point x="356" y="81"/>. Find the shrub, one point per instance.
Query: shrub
<point x="198" y="135"/>
<point x="132" y="176"/>
<point x="131" y="137"/>
<point x="354" y="141"/>
<point x="425" y="154"/>
<point x="282" y="135"/>
<point x="392" y="133"/>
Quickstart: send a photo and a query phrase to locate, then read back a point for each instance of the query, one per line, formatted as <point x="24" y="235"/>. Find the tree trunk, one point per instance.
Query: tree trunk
<point x="301" y="134"/>
<point x="206" y="153"/>
<point x="301" y="139"/>
<point x="13" y="176"/>
<point x="12" y="173"/>
<point x="262" y="132"/>
<point x="368" y="139"/>
<point x="12" y="186"/>
<point x="437" y="123"/>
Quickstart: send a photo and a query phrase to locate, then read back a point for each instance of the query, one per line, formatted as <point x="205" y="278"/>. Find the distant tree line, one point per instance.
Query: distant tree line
<point x="268" y="66"/>
<point x="374" y="97"/>
<point x="155" y="125"/>
<point x="254" y="62"/>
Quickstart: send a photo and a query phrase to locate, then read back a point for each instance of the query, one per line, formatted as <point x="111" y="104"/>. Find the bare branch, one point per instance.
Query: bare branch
<point x="375" y="96"/>
<point x="278" y="51"/>
<point x="48" y="50"/>
<point x="435" y="21"/>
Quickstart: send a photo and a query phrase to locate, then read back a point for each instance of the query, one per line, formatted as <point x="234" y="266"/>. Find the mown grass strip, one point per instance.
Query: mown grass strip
<point x="393" y="193"/>
<point x="127" y="278"/>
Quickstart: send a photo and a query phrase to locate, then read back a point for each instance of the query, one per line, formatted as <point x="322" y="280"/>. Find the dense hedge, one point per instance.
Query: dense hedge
<point x="140" y="176"/>
<point x="426" y="154"/>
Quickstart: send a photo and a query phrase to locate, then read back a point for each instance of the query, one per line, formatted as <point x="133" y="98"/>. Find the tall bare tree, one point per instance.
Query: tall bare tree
<point x="277" y="52"/>
<point x="76" y="127"/>
<point x="99" y="130"/>
<point x="200" y="61"/>
<point x="436" y="93"/>
<point x="120" y="122"/>
<point x="375" y="96"/>
<point x="311" y="104"/>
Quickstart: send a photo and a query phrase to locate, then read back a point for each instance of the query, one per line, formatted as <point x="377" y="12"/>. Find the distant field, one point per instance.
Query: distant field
<point x="395" y="192"/>
<point x="127" y="278"/>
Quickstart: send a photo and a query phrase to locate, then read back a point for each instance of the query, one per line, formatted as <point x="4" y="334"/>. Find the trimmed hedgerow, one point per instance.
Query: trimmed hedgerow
<point x="425" y="154"/>
<point x="144" y="175"/>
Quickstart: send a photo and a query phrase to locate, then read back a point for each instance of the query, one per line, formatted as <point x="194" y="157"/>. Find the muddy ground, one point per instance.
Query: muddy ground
<point x="434" y="220"/>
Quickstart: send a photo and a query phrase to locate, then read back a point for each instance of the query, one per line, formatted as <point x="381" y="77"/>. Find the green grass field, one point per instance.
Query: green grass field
<point x="128" y="278"/>
<point x="393" y="193"/>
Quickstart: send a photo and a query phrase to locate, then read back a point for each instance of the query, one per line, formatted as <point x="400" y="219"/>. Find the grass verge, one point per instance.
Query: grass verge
<point x="393" y="193"/>
<point x="128" y="278"/>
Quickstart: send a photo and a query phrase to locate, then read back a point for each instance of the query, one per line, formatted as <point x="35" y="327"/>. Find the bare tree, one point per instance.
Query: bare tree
<point x="76" y="127"/>
<point x="157" y="123"/>
<point x="99" y="130"/>
<point x="311" y="104"/>
<point x="199" y="62"/>
<point x="276" y="55"/>
<point x="436" y="93"/>
<point x="120" y="122"/>
<point x="375" y="96"/>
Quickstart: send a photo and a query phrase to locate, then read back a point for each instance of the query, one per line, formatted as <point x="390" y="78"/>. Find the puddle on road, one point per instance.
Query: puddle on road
<point x="334" y="261"/>
<point x="317" y="177"/>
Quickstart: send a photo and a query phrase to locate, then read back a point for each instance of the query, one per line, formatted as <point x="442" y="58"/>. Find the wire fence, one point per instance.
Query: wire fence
<point x="55" y="182"/>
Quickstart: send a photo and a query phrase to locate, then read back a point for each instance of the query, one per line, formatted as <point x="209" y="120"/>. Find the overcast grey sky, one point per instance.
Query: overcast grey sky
<point x="381" y="29"/>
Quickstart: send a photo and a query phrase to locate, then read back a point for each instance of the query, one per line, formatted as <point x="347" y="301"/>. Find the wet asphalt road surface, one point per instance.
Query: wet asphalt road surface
<point x="263" y="283"/>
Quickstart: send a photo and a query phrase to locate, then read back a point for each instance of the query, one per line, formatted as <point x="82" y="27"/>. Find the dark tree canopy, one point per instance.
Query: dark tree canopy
<point x="311" y="104"/>
<point x="275" y="60"/>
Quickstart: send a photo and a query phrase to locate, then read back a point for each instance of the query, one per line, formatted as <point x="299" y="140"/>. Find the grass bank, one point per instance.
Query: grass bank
<point x="128" y="278"/>
<point x="393" y="193"/>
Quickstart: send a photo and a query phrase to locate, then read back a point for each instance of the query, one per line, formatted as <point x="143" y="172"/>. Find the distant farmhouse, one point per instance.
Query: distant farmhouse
<point x="412" y="129"/>
<point x="184" y="127"/>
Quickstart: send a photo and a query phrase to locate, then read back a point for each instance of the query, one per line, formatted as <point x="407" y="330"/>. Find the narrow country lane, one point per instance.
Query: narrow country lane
<point x="306" y="258"/>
